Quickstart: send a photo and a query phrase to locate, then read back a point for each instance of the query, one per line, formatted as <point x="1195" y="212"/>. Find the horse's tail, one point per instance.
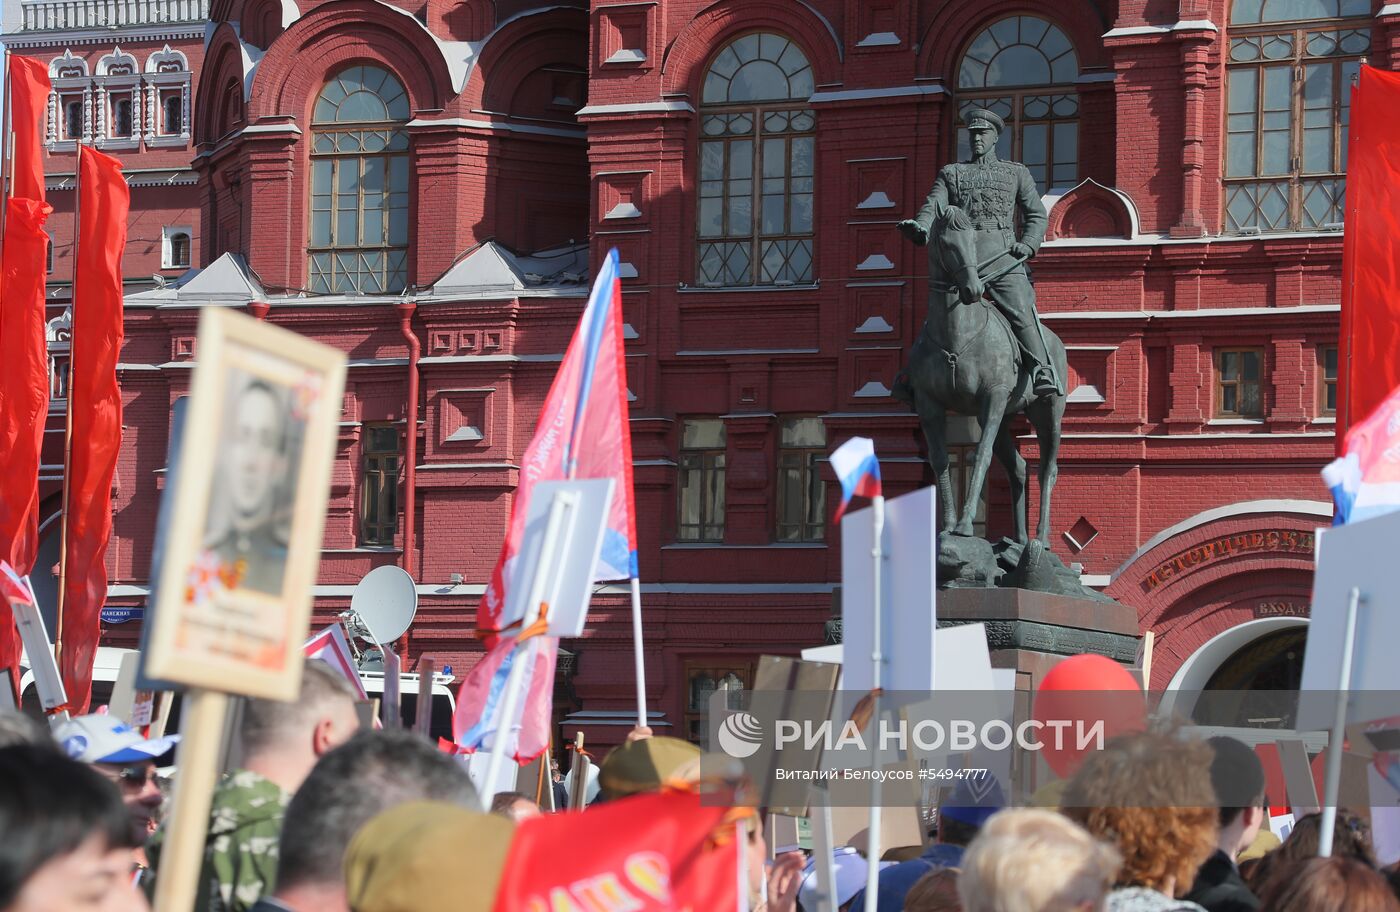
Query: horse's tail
<point x="955" y="219"/>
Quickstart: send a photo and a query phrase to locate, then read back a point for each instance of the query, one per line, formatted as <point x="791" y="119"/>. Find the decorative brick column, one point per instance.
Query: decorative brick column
<point x="1195" y="60"/>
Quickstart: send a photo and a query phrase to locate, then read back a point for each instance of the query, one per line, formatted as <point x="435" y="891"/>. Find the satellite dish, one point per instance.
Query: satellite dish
<point x="385" y="602"/>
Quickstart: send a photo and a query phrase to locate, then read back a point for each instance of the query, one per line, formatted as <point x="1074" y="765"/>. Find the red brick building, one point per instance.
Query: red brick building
<point x="372" y="175"/>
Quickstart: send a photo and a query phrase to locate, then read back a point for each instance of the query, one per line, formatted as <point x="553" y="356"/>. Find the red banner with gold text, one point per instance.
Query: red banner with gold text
<point x="664" y="852"/>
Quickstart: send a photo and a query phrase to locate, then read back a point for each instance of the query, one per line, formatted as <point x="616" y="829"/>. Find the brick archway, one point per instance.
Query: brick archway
<point x="1217" y="570"/>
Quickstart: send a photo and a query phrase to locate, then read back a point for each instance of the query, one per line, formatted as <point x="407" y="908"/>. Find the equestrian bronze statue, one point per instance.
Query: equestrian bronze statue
<point x="983" y="350"/>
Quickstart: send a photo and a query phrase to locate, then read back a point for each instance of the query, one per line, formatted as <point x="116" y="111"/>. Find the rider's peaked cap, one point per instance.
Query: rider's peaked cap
<point x="982" y="119"/>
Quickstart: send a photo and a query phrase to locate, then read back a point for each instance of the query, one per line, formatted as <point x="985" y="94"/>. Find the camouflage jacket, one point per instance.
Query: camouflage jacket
<point x="240" y="854"/>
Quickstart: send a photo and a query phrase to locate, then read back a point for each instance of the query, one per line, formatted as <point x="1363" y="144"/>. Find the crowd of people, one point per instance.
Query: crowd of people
<point x="320" y="816"/>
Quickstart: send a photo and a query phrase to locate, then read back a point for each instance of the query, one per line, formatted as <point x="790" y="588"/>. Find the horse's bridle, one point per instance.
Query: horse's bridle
<point x="950" y="288"/>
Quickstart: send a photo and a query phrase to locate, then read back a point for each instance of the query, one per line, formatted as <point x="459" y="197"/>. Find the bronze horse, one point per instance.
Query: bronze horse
<point x="967" y="360"/>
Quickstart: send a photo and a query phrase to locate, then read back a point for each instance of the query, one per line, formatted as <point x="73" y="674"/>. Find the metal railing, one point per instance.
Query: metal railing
<point x="49" y="15"/>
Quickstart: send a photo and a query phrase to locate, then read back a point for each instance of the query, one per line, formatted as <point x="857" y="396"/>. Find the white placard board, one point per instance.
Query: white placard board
<point x="573" y="560"/>
<point x="1362" y="555"/>
<point x="477" y="768"/>
<point x="35" y="638"/>
<point x="907" y="585"/>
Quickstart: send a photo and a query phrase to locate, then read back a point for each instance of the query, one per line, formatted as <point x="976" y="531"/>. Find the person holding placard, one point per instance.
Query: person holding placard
<point x="283" y="741"/>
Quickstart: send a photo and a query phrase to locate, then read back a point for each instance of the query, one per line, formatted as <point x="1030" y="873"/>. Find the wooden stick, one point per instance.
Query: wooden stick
<point x="68" y="427"/>
<point x="161" y="718"/>
<point x="423" y="717"/>
<point x="578" y="795"/>
<point x="201" y="737"/>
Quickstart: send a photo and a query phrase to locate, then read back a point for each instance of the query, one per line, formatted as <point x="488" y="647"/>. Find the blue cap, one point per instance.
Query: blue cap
<point x="974" y="800"/>
<point x="101" y="738"/>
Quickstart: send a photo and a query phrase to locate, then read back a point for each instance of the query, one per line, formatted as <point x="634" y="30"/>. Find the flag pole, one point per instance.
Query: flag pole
<point x="8" y="143"/>
<point x="638" y="654"/>
<point x="872" y="851"/>
<point x="68" y="426"/>
<point x="1332" y="771"/>
<point x="523" y="654"/>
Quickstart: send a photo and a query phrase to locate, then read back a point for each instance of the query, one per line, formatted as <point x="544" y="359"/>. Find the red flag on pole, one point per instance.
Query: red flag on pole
<point x="24" y="397"/>
<point x="1367" y="368"/>
<point x="24" y="382"/>
<point x="29" y="95"/>
<point x="94" y="415"/>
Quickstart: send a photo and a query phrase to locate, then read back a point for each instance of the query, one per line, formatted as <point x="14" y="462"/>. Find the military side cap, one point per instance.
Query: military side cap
<point x="411" y="857"/>
<point x="982" y="119"/>
<point x="642" y="766"/>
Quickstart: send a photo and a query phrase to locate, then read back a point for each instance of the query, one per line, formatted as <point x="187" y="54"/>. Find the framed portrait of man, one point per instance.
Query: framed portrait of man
<point x="241" y="557"/>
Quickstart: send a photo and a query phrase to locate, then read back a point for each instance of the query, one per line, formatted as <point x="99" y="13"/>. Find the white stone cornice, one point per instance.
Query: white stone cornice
<point x="28" y="40"/>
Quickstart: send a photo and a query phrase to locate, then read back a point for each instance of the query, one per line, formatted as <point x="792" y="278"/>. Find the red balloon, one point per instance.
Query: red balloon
<point x="1085" y="690"/>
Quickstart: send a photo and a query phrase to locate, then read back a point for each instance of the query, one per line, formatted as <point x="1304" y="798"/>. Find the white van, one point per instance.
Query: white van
<point x="108" y="660"/>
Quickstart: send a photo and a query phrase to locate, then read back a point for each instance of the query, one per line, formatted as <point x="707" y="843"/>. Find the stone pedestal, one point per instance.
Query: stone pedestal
<point x="1031" y="631"/>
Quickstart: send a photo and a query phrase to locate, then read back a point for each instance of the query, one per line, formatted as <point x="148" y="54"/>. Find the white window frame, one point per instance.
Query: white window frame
<point x="168" y="232"/>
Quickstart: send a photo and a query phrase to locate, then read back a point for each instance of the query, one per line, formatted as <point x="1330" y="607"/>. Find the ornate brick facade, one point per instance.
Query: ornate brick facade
<point x="538" y="126"/>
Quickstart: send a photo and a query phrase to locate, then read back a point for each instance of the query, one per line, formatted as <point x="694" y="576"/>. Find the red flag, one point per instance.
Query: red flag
<point x="651" y="853"/>
<point x="24" y="383"/>
<point x="95" y="413"/>
<point x="29" y="95"/>
<point x="24" y="397"/>
<point x="1367" y="367"/>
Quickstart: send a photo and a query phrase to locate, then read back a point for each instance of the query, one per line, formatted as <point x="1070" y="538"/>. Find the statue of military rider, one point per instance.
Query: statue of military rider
<point x="992" y="193"/>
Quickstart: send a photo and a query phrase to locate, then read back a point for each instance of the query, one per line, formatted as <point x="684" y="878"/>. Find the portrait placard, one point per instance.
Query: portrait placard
<point x="241" y="556"/>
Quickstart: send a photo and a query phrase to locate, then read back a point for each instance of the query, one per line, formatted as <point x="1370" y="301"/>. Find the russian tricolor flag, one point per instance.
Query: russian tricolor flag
<point x="583" y="432"/>
<point x="1365" y="482"/>
<point x="857" y="470"/>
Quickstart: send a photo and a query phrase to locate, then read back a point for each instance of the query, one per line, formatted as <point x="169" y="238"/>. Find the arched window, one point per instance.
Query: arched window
<point x="73" y="118"/>
<point x="171" y="119"/>
<point x="757" y="145"/>
<point x="359" y="184"/>
<point x="1290" y="72"/>
<point x="121" y="117"/>
<point x="179" y="250"/>
<point x="1023" y="69"/>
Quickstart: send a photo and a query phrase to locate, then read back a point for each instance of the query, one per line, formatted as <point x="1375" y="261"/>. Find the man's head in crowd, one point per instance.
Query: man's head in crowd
<point x="1034" y="860"/>
<point x="1238" y="779"/>
<point x="126" y="759"/>
<point x="69" y="838"/>
<point x="283" y="740"/>
<point x="644" y="765"/>
<point x="515" y="806"/>
<point x="971" y="803"/>
<point x="1150" y="795"/>
<point x="427" y="855"/>
<point x="17" y="728"/>
<point x="1335" y="884"/>
<point x="368" y="774"/>
<point x="936" y="891"/>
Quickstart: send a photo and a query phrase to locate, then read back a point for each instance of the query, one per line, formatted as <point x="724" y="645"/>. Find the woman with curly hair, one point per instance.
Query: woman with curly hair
<point x="1148" y="794"/>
